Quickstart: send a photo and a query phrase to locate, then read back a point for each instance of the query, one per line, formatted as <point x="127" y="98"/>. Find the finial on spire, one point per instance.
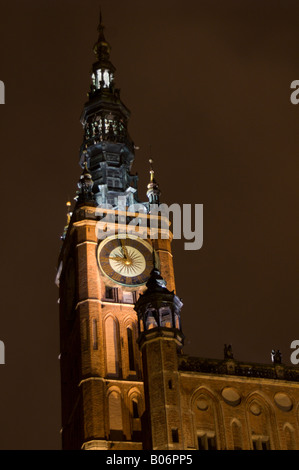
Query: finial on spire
<point x="101" y="27"/>
<point x="101" y="47"/>
<point x="153" y="191"/>
<point x="152" y="172"/>
<point x="69" y="213"/>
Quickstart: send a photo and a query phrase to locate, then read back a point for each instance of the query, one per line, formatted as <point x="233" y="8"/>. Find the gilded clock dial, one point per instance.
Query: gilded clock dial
<point x="127" y="261"/>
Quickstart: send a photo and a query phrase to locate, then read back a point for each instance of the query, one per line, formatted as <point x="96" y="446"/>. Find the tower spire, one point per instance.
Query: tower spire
<point x="107" y="145"/>
<point x="102" y="48"/>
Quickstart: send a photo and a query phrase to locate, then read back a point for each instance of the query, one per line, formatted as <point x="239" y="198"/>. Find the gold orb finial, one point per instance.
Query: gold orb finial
<point x="68" y="214"/>
<point x="152" y="173"/>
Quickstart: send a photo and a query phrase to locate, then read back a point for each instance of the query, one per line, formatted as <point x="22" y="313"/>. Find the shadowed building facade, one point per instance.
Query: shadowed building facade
<point x="125" y="382"/>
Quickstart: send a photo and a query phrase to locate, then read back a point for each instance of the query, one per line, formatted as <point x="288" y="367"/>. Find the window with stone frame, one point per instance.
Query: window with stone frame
<point x="111" y="294"/>
<point x="260" y="442"/>
<point x="129" y="297"/>
<point x="206" y="441"/>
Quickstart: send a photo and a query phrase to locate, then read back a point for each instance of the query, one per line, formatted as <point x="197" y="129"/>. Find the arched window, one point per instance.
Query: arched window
<point x="115" y="416"/>
<point x="131" y="348"/>
<point x="237" y="436"/>
<point x="204" y="410"/>
<point x="135" y="411"/>
<point x="150" y="320"/>
<point x="260" y="415"/>
<point x="111" y="333"/>
<point x="165" y="317"/>
<point x="290" y="438"/>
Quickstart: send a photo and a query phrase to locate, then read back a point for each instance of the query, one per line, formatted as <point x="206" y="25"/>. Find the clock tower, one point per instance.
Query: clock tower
<point x="106" y="259"/>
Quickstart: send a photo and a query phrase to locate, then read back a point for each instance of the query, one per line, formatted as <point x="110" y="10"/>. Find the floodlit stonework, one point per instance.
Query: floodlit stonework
<point x="125" y="381"/>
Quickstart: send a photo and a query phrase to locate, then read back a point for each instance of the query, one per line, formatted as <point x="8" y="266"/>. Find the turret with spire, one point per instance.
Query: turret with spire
<point x="160" y="340"/>
<point x="85" y="193"/>
<point x="102" y="70"/>
<point x="153" y="191"/>
<point x="158" y="307"/>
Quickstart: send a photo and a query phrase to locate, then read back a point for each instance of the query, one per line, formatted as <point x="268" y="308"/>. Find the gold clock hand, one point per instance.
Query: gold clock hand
<point x="125" y="251"/>
<point x="124" y="248"/>
<point x="118" y="258"/>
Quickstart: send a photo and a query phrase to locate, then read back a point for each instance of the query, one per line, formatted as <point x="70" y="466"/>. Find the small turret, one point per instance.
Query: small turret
<point x="153" y="191"/>
<point x="85" y="185"/>
<point x="160" y="341"/>
<point x="158" y="307"/>
<point x="103" y="70"/>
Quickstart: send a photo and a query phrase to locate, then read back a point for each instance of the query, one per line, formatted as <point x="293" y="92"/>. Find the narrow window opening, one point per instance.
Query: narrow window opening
<point x="115" y="416"/>
<point x="175" y="435"/>
<point x="129" y="297"/>
<point x="111" y="293"/>
<point x="212" y="443"/>
<point x="206" y="442"/>
<point x="131" y="349"/>
<point x="261" y="443"/>
<point x="135" y="409"/>
<point x="111" y="346"/>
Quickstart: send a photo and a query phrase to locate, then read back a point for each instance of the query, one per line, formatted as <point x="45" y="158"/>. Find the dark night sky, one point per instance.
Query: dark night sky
<point x="208" y="85"/>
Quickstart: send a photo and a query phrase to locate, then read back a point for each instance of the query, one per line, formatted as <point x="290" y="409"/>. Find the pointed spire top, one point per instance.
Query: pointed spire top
<point x="152" y="172"/>
<point x="101" y="27"/>
<point x="153" y="191"/>
<point x="101" y="47"/>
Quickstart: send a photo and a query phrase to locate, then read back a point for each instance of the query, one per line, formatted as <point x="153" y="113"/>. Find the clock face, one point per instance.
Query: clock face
<point x="127" y="261"/>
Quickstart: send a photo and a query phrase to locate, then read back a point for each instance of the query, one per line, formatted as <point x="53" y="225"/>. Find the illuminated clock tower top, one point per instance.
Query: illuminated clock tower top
<point x="107" y="147"/>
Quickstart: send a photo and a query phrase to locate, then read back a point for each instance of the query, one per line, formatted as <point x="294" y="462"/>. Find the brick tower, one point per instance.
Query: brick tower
<point x="160" y="341"/>
<point x="125" y="383"/>
<point x="105" y="261"/>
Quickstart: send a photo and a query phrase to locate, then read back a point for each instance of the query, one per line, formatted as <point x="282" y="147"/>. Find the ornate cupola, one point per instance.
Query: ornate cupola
<point x="107" y="146"/>
<point x="158" y="308"/>
<point x="102" y="70"/>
